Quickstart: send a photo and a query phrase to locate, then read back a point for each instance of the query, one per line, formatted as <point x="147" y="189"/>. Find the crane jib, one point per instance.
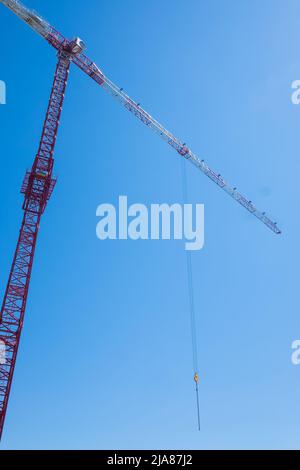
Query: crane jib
<point x="59" y="42"/>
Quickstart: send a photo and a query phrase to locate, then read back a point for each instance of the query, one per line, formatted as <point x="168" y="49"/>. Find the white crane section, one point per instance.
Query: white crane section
<point x="38" y="24"/>
<point x="94" y="72"/>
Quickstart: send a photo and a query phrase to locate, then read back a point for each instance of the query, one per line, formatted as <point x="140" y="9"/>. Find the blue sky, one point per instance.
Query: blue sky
<point x="105" y="359"/>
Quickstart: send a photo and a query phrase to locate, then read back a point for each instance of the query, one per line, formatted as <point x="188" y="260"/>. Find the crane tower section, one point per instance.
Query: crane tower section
<point x="37" y="189"/>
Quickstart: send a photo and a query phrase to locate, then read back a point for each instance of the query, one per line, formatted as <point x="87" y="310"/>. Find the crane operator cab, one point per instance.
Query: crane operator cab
<point x="77" y="46"/>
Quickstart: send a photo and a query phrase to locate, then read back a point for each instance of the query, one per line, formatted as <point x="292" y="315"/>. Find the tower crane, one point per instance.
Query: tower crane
<point x="39" y="183"/>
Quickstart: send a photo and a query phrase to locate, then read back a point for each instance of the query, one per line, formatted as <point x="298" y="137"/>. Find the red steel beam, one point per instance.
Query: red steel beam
<point x="37" y="189"/>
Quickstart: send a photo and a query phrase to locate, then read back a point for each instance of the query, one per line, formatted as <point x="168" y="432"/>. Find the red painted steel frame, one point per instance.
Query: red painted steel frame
<point x="37" y="189"/>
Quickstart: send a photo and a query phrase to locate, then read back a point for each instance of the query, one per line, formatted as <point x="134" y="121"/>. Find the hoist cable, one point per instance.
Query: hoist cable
<point x="191" y="300"/>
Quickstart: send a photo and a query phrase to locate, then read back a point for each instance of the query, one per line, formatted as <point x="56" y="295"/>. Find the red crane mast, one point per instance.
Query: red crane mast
<point x="37" y="189"/>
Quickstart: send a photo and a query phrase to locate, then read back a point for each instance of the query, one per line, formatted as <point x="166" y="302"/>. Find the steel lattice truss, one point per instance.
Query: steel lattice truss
<point x="37" y="189"/>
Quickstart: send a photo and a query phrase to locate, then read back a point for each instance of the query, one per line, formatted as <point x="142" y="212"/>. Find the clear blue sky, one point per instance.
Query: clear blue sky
<point x="105" y="358"/>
